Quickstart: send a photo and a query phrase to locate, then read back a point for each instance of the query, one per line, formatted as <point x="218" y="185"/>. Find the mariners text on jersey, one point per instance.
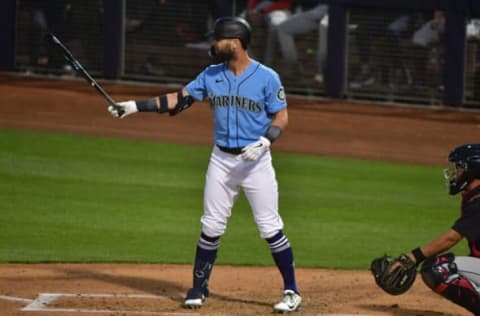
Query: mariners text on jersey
<point x="243" y="105"/>
<point x="235" y="101"/>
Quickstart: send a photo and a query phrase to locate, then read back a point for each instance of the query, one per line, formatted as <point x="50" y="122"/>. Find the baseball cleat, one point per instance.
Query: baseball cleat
<point x="291" y="302"/>
<point x="195" y="298"/>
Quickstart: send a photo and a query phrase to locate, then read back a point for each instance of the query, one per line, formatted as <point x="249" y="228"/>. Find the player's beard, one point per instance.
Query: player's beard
<point x="224" y="55"/>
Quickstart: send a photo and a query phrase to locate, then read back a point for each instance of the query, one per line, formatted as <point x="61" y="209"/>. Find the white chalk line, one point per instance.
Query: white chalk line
<point x="15" y="299"/>
<point x="40" y="304"/>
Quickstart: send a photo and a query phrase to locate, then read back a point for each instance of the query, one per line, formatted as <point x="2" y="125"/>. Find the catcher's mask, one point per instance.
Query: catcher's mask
<point x="231" y="27"/>
<point x="464" y="167"/>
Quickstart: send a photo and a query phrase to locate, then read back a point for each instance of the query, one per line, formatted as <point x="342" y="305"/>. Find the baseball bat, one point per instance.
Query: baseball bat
<point x="79" y="69"/>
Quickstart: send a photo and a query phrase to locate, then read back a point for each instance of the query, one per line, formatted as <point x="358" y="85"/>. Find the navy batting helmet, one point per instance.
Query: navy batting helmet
<point x="465" y="167"/>
<point x="232" y="27"/>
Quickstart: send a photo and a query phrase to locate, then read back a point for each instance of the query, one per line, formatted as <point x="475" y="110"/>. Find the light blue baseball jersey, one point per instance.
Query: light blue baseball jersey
<point x="242" y="105"/>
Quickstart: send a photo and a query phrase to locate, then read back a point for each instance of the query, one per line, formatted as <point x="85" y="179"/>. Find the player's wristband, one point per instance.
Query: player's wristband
<point x="150" y="105"/>
<point x="419" y="256"/>
<point x="273" y="133"/>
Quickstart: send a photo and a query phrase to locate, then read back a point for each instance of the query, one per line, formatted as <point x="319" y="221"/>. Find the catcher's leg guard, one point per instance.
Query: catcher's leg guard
<point x="441" y="275"/>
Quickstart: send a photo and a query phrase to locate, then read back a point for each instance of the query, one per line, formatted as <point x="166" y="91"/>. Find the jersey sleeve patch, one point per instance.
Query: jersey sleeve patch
<point x="281" y="94"/>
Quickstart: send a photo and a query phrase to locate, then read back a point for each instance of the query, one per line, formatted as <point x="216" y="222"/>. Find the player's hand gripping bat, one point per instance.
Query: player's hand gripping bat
<point x="79" y="69"/>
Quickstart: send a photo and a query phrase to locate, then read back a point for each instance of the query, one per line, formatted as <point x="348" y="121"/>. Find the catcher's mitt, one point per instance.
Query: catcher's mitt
<point x="399" y="280"/>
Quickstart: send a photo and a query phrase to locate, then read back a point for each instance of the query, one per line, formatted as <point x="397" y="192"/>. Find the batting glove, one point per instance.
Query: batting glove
<point x="253" y="151"/>
<point x="123" y="109"/>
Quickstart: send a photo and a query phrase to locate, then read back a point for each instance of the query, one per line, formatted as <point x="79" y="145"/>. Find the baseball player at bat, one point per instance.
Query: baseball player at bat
<point x="456" y="278"/>
<point x="250" y="112"/>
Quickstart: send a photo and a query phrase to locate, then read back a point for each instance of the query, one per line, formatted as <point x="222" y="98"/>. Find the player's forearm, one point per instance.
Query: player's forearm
<point x="172" y="98"/>
<point x="279" y="123"/>
<point x="173" y="103"/>
<point x="281" y="119"/>
<point x="441" y="243"/>
<point x="160" y="104"/>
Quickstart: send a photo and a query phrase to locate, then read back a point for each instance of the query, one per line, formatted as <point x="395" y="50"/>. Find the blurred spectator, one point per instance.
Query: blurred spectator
<point x="312" y="15"/>
<point x="274" y="13"/>
<point x="166" y="26"/>
<point x="388" y="34"/>
<point x="473" y="30"/>
<point x="47" y="16"/>
<point x="185" y="21"/>
<point x="138" y="13"/>
<point x="426" y="40"/>
<point x="473" y="36"/>
<point x="222" y="8"/>
<point x="429" y="33"/>
<point x="86" y="24"/>
<point x="216" y="10"/>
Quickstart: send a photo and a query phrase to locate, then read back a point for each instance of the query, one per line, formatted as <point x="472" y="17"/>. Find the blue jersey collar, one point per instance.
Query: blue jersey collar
<point x="251" y="68"/>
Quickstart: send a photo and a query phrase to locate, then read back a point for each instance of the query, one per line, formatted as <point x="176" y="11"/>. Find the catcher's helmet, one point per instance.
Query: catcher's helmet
<point x="232" y="27"/>
<point x="465" y="167"/>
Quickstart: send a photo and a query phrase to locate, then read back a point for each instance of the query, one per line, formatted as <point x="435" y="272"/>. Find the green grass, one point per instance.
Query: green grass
<point x="70" y="198"/>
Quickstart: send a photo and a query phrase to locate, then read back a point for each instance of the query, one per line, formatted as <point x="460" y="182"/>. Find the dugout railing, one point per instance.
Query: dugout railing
<point x="374" y="48"/>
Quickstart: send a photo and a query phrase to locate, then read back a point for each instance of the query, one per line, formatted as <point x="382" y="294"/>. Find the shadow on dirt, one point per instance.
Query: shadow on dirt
<point x="239" y="300"/>
<point x="396" y="310"/>
<point x="172" y="290"/>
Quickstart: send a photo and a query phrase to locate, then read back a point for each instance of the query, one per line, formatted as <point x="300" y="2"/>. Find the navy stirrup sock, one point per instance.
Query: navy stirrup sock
<point x="283" y="256"/>
<point x="204" y="258"/>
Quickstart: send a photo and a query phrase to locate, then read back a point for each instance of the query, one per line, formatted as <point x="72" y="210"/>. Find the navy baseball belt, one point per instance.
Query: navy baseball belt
<point x="233" y="151"/>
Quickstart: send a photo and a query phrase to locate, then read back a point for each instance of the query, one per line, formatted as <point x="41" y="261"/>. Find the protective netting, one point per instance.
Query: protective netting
<point x="393" y="55"/>
<point x="472" y="63"/>
<point x="77" y="23"/>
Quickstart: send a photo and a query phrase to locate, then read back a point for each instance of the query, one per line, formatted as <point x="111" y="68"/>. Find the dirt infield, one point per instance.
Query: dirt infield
<point x="322" y="127"/>
<point x="235" y="291"/>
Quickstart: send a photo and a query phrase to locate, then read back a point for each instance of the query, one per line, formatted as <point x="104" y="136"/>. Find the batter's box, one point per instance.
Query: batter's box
<point x="105" y="303"/>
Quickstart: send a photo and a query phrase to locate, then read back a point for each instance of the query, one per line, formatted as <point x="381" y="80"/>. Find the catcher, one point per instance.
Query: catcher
<point x="456" y="278"/>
